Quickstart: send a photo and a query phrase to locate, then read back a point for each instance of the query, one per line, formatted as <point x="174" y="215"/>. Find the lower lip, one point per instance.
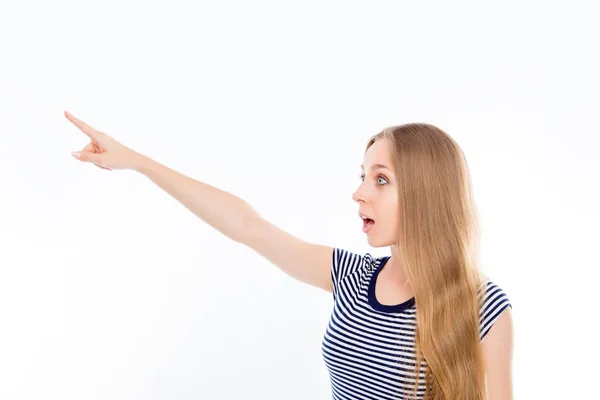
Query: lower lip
<point x="367" y="228"/>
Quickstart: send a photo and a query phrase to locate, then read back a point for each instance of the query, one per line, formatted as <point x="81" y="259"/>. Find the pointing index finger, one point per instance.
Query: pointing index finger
<point x="85" y="128"/>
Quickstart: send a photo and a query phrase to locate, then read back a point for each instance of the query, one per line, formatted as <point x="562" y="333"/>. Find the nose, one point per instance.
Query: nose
<point x="357" y="195"/>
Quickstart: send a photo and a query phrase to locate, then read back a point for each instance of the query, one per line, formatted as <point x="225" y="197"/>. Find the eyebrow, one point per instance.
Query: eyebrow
<point x="376" y="166"/>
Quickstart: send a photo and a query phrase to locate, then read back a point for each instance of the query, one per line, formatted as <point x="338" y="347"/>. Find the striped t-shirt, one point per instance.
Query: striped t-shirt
<point x="369" y="347"/>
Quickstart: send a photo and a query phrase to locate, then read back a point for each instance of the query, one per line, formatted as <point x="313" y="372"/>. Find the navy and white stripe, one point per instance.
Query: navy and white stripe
<point x="369" y="347"/>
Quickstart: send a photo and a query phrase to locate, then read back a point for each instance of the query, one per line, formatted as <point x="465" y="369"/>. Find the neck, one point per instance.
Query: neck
<point x="397" y="272"/>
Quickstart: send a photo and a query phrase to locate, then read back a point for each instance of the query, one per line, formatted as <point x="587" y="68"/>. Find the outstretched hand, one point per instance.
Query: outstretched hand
<point x="103" y="151"/>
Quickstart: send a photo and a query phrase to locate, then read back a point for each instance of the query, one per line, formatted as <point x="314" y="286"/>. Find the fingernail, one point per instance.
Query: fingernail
<point x="76" y="154"/>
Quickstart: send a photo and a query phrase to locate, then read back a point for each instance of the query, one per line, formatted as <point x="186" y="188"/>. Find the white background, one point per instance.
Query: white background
<point x="110" y="289"/>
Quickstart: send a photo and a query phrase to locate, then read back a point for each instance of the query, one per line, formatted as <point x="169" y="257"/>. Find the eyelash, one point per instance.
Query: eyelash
<point x="361" y="176"/>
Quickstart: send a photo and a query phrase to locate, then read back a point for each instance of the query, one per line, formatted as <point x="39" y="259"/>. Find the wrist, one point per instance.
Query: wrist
<point x="140" y="163"/>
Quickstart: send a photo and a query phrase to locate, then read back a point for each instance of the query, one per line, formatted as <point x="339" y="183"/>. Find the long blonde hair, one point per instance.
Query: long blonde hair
<point x="438" y="240"/>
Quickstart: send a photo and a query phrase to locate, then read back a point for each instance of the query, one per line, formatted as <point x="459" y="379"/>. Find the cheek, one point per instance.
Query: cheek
<point x="389" y="220"/>
<point x="392" y="220"/>
<point x="390" y="209"/>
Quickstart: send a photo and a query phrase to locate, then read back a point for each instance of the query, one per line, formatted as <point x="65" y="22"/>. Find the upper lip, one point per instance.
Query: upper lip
<point x="363" y="215"/>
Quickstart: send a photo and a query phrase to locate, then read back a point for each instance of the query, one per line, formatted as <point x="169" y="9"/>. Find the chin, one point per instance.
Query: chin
<point x="375" y="243"/>
<point x="378" y="242"/>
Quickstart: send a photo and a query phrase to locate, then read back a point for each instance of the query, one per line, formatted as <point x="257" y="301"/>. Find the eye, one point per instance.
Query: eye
<point x="362" y="177"/>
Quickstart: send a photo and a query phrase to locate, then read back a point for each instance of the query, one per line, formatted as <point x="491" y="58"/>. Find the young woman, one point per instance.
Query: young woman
<point x="408" y="326"/>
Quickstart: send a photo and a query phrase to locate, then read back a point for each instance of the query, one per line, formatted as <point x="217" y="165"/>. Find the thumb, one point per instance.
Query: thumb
<point x="86" y="156"/>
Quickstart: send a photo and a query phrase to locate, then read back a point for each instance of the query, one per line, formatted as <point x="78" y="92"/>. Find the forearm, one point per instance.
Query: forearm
<point x="224" y="211"/>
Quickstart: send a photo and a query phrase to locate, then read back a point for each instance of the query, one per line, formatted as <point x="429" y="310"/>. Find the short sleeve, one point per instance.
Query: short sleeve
<point x="343" y="264"/>
<point x="495" y="301"/>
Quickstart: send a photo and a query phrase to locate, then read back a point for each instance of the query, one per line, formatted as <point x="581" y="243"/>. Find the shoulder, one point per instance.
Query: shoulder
<point x="345" y="262"/>
<point x="495" y="301"/>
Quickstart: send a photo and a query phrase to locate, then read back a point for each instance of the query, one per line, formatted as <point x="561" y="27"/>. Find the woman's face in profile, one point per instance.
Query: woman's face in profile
<point x="377" y="195"/>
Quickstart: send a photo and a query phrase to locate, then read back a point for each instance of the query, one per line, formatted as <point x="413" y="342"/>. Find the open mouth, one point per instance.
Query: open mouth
<point x="367" y="224"/>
